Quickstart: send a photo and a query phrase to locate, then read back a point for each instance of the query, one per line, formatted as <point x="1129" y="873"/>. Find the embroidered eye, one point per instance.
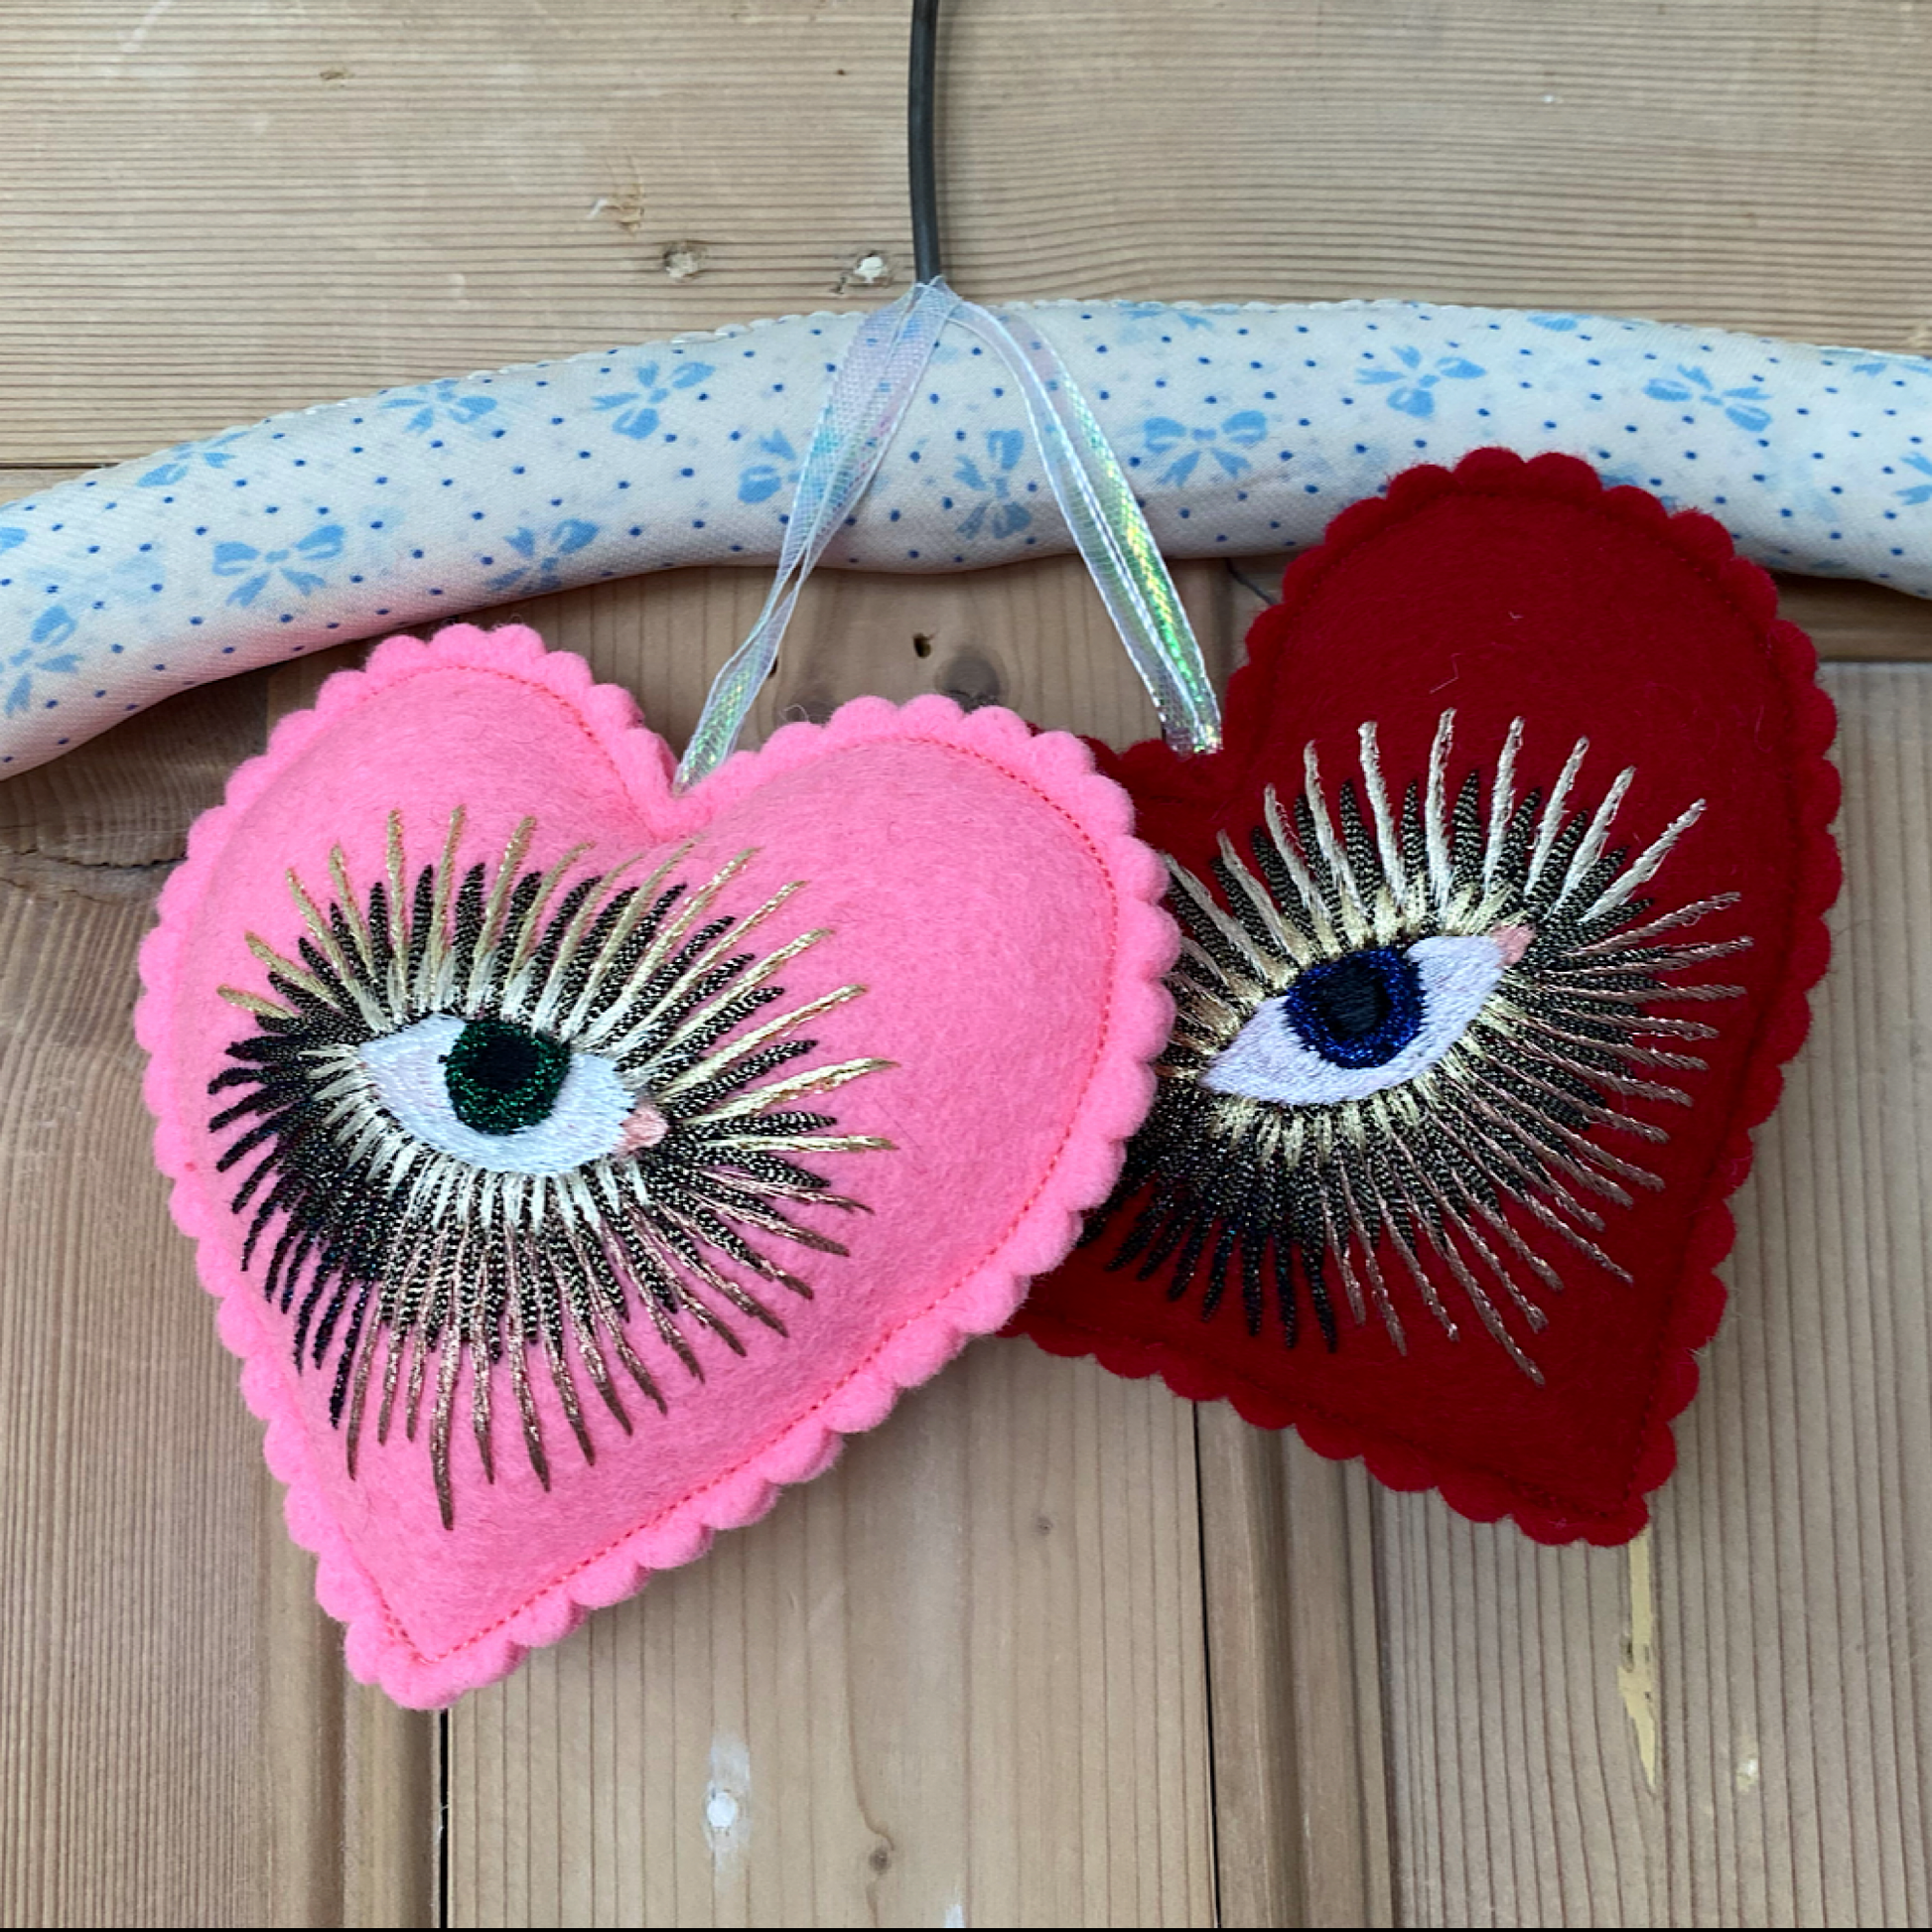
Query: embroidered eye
<point x="504" y="1098"/>
<point x="1402" y="1037"/>
<point x="507" y="1120"/>
<point x="1370" y="1019"/>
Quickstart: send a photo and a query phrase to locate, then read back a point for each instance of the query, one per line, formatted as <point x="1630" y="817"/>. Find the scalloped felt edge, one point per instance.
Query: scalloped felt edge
<point x="1696" y="1302"/>
<point x="1137" y="1014"/>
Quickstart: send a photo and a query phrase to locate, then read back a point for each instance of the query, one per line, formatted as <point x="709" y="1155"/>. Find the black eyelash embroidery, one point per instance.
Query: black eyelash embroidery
<point x="382" y="1245"/>
<point x="1358" y="1192"/>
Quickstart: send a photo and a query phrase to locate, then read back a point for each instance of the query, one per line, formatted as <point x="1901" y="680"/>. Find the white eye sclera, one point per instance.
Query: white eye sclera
<point x="1366" y="1022"/>
<point x="498" y="1096"/>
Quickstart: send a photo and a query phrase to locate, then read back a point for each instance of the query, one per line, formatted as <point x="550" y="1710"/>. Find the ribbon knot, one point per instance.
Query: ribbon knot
<point x="869" y="392"/>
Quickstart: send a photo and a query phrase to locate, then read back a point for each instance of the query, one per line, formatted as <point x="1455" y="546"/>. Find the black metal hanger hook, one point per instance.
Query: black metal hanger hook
<point x="922" y="171"/>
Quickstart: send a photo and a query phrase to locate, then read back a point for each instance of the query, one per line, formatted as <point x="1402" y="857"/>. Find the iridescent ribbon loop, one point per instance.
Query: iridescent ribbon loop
<point x="1104" y="519"/>
<point x="872" y="386"/>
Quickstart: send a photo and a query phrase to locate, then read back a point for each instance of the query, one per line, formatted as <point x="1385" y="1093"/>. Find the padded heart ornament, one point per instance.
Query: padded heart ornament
<point x="577" y="1161"/>
<point x="1501" y="906"/>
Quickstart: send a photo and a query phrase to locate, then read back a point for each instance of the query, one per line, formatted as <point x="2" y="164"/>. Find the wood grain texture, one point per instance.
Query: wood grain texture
<point x="1791" y="1615"/>
<point x="180" y="1742"/>
<point x="956" y="1681"/>
<point x="1858" y="623"/>
<point x="181" y="1747"/>
<point x="1731" y="1721"/>
<point x="216" y="211"/>
<point x="1300" y="1801"/>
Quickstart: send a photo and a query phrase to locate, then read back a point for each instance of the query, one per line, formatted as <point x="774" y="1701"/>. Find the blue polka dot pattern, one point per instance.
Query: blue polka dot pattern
<point x="1243" y="428"/>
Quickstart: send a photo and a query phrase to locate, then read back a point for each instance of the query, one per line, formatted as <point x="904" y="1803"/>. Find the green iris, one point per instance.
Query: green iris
<point x="501" y="1078"/>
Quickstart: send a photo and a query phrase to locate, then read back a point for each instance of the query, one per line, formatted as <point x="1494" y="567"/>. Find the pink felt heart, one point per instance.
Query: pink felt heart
<point x="591" y="1202"/>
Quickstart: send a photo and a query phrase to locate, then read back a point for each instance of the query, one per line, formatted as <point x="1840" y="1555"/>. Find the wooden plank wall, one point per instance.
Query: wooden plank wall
<point x="1048" y="1647"/>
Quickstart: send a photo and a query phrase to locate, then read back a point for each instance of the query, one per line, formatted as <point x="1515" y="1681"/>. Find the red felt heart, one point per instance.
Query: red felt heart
<point x="1472" y="1027"/>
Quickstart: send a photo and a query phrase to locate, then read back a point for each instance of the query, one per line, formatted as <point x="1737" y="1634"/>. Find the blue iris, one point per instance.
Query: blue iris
<point x="1358" y="1011"/>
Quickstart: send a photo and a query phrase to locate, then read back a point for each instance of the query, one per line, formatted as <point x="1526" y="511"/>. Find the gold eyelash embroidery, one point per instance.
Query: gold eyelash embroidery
<point x="422" y="1270"/>
<point x="1361" y="1193"/>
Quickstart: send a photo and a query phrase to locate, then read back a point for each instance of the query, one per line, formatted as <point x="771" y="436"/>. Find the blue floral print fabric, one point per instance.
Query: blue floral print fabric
<point x="1243" y="428"/>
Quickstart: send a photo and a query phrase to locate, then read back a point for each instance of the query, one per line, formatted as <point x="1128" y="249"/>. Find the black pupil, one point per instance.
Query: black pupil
<point x="502" y="1078"/>
<point x="1353" y="997"/>
<point x="1358" y="1011"/>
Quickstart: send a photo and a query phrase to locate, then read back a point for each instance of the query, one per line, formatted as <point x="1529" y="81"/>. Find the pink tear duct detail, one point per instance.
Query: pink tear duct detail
<point x="643" y="1126"/>
<point x="1513" y="942"/>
